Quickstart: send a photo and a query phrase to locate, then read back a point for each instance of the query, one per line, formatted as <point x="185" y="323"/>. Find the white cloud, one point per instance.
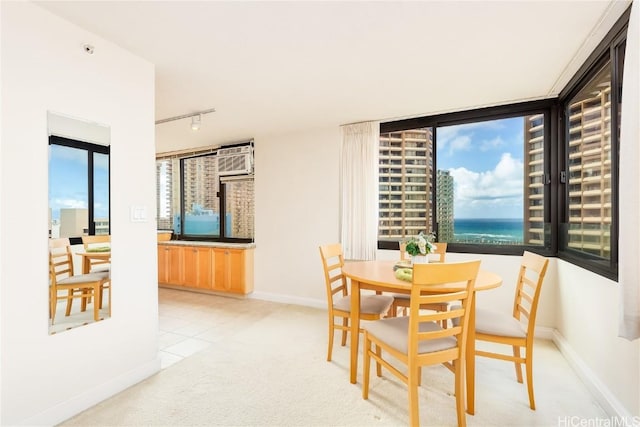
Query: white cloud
<point x="495" y="193"/>
<point x="461" y="137"/>
<point x="492" y="144"/>
<point x="69" y="203"/>
<point x="452" y="140"/>
<point x="460" y="143"/>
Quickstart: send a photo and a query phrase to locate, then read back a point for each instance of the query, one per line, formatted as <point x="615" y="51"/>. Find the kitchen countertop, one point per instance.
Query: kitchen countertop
<point x="208" y="244"/>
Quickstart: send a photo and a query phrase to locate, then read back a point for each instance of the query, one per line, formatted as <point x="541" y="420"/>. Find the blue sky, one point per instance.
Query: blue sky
<point x="68" y="186"/>
<point x="485" y="160"/>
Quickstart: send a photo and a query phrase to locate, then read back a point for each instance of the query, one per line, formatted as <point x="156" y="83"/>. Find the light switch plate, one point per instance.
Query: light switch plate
<point x="138" y="214"/>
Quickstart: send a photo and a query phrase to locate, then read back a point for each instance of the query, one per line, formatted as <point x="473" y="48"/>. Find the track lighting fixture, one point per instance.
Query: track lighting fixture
<point x="196" y="118"/>
<point x="195" y="122"/>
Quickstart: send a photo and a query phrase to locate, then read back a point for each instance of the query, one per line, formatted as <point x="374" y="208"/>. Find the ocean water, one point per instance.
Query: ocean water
<point x="498" y="230"/>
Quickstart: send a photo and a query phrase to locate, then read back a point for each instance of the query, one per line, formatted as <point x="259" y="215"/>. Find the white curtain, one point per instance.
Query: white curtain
<point x="629" y="241"/>
<point x="359" y="190"/>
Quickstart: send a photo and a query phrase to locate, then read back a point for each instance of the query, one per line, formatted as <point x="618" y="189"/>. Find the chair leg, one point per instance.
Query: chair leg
<point x="331" y="333"/>
<point x="378" y="365"/>
<point x="96" y="304"/>
<point x="53" y="303"/>
<point x="516" y="353"/>
<point x="345" y="323"/>
<point x="366" y="361"/>
<point x="85" y="298"/>
<point x="459" y="392"/>
<point x="412" y="384"/>
<point x="69" y="302"/>
<point x="529" y="367"/>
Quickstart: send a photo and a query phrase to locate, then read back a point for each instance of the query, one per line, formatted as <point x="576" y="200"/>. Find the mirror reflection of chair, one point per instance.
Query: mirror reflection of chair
<point x="62" y="278"/>
<point x="98" y="243"/>
<point x="401" y="301"/>
<point x="419" y="339"/>
<point x="372" y="307"/>
<point x="516" y="329"/>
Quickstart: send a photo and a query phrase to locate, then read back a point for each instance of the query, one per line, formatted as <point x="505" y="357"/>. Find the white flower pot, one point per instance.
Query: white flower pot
<point x="420" y="259"/>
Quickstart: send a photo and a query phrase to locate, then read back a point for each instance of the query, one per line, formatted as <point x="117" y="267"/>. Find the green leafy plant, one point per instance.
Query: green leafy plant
<point x="420" y="245"/>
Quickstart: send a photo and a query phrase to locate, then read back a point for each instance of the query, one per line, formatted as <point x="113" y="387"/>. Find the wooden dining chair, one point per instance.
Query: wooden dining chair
<point x="62" y="278"/>
<point x="98" y="243"/>
<point x="419" y="339"/>
<point x="372" y="307"/>
<point x="516" y="330"/>
<point x="401" y="301"/>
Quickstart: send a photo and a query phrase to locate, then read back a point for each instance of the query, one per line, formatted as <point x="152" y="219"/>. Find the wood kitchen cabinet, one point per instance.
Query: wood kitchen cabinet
<point x="206" y="268"/>
<point x="163" y="261"/>
<point x="170" y="264"/>
<point x="198" y="267"/>
<point x="234" y="270"/>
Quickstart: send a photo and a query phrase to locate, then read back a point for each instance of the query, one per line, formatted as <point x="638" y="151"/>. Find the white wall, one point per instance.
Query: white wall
<point x="48" y="378"/>
<point x="587" y="321"/>
<point x="297" y="205"/>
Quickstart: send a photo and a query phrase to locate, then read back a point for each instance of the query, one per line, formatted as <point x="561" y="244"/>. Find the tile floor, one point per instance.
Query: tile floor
<point x="189" y="323"/>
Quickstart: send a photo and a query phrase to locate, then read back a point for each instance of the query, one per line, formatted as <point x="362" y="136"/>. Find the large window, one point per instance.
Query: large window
<point x="78" y="188"/>
<point x="207" y="196"/>
<point x="540" y="175"/>
<point x="591" y="108"/>
<point x="476" y="179"/>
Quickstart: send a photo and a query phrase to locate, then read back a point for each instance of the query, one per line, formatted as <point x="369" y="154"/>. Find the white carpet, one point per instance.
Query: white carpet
<point x="271" y="371"/>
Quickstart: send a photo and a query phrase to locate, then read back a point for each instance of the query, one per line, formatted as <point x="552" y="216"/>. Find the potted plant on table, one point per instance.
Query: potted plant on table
<point x="419" y="247"/>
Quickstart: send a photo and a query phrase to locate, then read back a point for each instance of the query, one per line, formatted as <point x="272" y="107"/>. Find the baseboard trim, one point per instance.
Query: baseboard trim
<point x="288" y="299"/>
<point x="69" y="408"/>
<point x="609" y="403"/>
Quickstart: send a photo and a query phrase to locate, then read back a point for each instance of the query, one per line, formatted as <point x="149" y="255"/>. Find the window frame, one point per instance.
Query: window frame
<point x="609" y="50"/>
<point x="220" y="194"/>
<point x="90" y="148"/>
<point x="546" y="107"/>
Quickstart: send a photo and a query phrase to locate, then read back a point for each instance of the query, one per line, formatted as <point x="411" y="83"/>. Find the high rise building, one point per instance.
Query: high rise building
<point x="74" y="222"/>
<point x="102" y="226"/>
<point x="164" y="193"/>
<point x="405" y="179"/>
<point x="200" y="185"/>
<point x="534" y="180"/>
<point x="589" y="168"/>
<point x="444" y="206"/>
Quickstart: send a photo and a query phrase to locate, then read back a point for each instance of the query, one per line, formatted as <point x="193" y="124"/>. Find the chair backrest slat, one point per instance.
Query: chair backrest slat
<point x="60" y="259"/>
<point x="332" y="262"/>
<point x="532" y="272"/>
<point x="425" y="276"/>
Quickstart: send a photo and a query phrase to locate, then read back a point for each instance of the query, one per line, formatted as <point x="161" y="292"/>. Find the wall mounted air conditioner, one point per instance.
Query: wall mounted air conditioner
<point x="235" y="160"/>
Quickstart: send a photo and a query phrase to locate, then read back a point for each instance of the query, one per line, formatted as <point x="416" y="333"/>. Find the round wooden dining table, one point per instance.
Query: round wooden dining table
<point x="380" y="276"/>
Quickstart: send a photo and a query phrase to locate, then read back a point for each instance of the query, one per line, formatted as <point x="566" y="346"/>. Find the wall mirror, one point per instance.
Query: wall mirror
<point x="79" y="229"/>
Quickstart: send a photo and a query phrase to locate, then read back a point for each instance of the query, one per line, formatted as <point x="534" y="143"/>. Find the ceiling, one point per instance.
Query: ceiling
<point x="281" y="67"/>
